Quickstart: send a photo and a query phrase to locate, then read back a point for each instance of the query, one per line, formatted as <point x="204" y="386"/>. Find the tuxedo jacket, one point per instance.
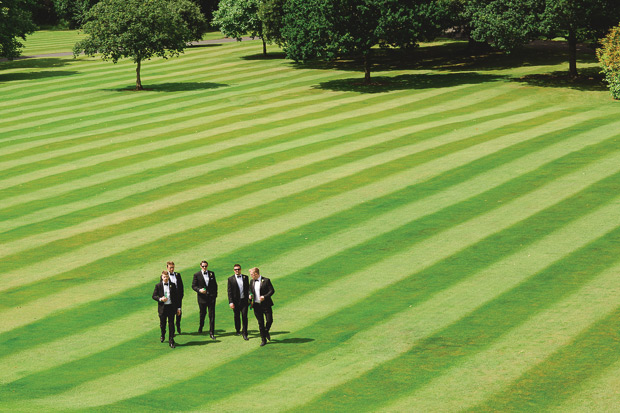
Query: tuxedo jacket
<point x="199" y="282"/>
<point x="180" y="289"/>
<point x="158" y="292"/>
<point x="233" y="289"/>
<point x="266" y="290"/>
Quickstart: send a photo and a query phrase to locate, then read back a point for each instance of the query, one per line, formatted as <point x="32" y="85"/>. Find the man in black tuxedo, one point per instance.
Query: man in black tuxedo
<point x="165" y="293"/>
<point x="206" y="289"/>
<point x="238" y="297"/>
<point x="175" y="277"/>
<point x="261" y="291"/>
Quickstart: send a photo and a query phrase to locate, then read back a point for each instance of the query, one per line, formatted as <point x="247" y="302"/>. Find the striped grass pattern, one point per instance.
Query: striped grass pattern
<point x="444" y="240"/>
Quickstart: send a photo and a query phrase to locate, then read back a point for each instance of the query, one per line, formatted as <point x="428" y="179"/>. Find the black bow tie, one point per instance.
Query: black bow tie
<point x="166" y="285"/>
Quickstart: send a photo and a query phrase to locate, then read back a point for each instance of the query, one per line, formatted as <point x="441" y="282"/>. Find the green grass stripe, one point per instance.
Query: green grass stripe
<point x="505" y="360"/>
<point x="88" y="124"/>
<point x="236" y="70"/>
<point x="470" y="292"/>
<point x="65" y="153"/>
<point x="329" y="332"/>
<point x="561" y="374"/>
<point x="102" y="71"/>
<point x="39" y="361"/>
<point x="219" y="145"/>
<point x="396" y="181"/>
<point x="232" y="97"/>
<point x="599" y="394"/>
<point x="488" y="179"/>
<point x="89" y="74"/>
<point x="279" y="168"/>
<point x="117" y="100"/>
<point x="188" y="119"/>
<point x="475" y="332"/>
<point x="234" y="160"/>
<point x="383" y="342"/>
<point x="444" y="165"/>
<point x="252" y="76"/>
<point x="345" y="239"/>
<point x="67" y="369"/>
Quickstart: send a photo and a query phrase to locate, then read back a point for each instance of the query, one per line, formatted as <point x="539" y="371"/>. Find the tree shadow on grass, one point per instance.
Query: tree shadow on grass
<point x="453" y="56"/>
<point x="268" y="56"/>
<point x="8" y="77"/>
<point x="589" y="79"/>
<point x="38" y="63"/>
<point x="173" y="87"/>
<point x="381" y="84"/>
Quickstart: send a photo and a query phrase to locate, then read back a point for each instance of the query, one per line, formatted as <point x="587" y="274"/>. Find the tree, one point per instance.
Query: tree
<point x="609" y="57"/>
<point x="15" y="22"/>
<point x="140" y="29"/>
<point x="271" y="14"/>
<point x="236" y="18"/>
<point x="327" y="30"/>
<point x="507" y="24"/>
<point x="73" y="12"/>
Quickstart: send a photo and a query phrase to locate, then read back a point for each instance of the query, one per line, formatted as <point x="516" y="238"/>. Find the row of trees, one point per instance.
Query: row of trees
<point x="318" y="29"/>
<point x="309" y="29"/>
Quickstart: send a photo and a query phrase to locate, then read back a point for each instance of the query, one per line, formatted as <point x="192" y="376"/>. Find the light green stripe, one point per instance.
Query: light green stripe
<point x="119" y="243"/>
<point x="305" y="257"/>
<point x="448" y="306"/>
<point x="254" y="176"/>
<point x="243" y="140"/>
<point x="601" y="394"/>
<point x="386" y="341"/>
<point x="491" y="370"/>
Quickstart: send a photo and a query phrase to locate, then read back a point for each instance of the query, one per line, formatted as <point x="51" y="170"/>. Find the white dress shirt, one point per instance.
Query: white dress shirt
<point x="167" y="294"/>
<point x="257" y="290"/>
<point x="239" y="279"/>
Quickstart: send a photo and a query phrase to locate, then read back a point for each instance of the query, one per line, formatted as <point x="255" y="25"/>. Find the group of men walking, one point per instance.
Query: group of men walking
<point x="243" y="292"/>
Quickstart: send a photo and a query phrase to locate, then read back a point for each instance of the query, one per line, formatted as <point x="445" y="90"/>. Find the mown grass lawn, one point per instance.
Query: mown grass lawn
<point x="443" y="239"/>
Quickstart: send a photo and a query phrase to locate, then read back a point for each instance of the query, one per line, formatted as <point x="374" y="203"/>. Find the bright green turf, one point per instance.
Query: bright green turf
<point x="444" y="239"/>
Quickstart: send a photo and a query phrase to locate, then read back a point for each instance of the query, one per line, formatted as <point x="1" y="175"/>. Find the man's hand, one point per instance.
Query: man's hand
<point x="163" y="299"/>
<point x="262" y="298"/>
<point x="179" y="311"/>
<point x="232" y="305"/>
<point x="203" y="290"/>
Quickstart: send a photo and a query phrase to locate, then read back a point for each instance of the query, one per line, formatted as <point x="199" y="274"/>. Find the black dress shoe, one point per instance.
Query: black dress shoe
<point x="212" y="336"/>
<point x="161" y="339"/>
<point x="172" y="344"/>
<point x="245" y="337"/>
<point x="262" y="343"/>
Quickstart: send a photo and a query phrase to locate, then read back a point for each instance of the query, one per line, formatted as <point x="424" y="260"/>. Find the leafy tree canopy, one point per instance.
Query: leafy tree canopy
<point x="73" y="11"/>
<point x="15" y="22"/>
<point x="140" y="29"/>
<point x="326" y="30"/>
<point x="507" y="24"/>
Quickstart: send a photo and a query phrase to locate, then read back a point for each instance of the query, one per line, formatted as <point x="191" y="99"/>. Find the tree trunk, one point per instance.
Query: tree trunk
<point x="367" y="68"/>
<point x="572" y="53"/>
<point x="264" y="47"/>
<point x="138" y="81"/>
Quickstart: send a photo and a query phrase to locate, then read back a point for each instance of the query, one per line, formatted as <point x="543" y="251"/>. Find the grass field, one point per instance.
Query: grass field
<point x="444" y="239"/>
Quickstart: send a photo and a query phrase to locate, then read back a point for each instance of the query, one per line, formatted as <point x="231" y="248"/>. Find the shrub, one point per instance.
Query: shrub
<point x="609" y="57"/>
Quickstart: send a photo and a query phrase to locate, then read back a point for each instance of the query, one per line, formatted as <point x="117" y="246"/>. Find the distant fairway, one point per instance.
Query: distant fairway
<point x="446" y="239"/>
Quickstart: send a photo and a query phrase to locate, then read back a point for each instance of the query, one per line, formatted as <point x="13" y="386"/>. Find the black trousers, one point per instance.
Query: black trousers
<point x="167" y="318"/>
<point x="264" y="316"/>
<point x="241" y="314"/>
<point x="178" y="318"/>
<point x="209" y="305"/>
